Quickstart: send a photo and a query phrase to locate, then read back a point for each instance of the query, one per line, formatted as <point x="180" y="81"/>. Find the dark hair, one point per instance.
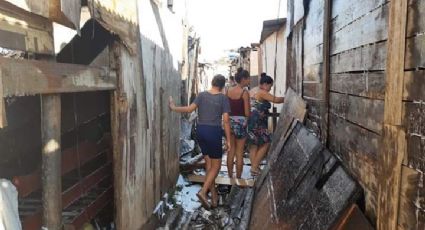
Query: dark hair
<point x="265" y="79"/>
<point x="218" y="81"/>
<point x="241" y="74"/>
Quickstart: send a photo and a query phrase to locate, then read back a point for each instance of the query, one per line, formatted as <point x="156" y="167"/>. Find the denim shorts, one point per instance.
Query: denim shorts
<point x="210" y="140"/>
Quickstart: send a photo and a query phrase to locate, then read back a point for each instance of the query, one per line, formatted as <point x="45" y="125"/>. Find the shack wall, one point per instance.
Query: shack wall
<point x="346" y="107"/>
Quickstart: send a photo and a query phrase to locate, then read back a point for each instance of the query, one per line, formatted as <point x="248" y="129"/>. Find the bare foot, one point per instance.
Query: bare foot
<point x="203" y="200"/>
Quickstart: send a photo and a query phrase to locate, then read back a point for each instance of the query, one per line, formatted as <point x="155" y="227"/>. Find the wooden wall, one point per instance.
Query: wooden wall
<point x="412" y="194"/>
<point x="351" y="121"/>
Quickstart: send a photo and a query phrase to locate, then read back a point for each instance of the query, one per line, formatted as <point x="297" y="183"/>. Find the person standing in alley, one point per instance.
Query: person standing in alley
<point x="259" y="137"/>
<point x="239" y="113"/>
<point x="213" y="111"/>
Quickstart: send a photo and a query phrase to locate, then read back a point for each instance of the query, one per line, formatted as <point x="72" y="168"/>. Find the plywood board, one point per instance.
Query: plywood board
<point x="23" y="77"/>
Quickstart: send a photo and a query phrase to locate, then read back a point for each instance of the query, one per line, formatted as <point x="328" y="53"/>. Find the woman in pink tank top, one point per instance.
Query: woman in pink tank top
<point x="239" y="113"/>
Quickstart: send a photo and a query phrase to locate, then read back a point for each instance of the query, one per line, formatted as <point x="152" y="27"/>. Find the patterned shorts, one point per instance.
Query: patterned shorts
<point x="238" y="126"/>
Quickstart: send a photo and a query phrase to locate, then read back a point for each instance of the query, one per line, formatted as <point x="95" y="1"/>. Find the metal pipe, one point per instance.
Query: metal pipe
<point x="51" y="161"/>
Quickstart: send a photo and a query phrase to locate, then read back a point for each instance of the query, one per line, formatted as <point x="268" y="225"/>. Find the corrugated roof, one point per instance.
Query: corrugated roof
<point x="271" y="26"/>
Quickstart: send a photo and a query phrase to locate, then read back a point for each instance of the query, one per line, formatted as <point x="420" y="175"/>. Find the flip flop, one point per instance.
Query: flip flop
<point x="204" y="201"/>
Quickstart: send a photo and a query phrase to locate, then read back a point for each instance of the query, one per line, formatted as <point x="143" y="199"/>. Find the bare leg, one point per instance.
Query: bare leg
<point x="210" y="178"/>
<point x="252" y="153"/>
<point x="231" y="156"/>
<point x="239" y="147"/>
<point x="261" y="152"/>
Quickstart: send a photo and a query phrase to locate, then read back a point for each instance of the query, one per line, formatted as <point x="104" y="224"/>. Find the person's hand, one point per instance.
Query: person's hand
<point x="171" y="104"/>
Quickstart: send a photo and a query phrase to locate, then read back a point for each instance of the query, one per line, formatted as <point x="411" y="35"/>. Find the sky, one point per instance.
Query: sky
<point x="227" y="24"/>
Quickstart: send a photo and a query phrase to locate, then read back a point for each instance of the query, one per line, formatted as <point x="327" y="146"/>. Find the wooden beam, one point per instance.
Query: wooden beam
<point x="51" y="161"/>
<point x="393" y="146"/>
<point x="24" y="77"/>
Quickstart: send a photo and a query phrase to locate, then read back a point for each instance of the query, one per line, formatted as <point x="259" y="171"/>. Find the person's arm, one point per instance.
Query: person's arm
<point x="269" y="97"/>
<point x="181" y="109"/>
<point x="246" y="103"/>
<point x="226" y="123"/>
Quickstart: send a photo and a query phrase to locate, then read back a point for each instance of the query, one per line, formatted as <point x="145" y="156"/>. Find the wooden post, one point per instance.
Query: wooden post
<point x="393" y="143"/>
<point x="326" y="71"/>
<point x="3" y="119"/>
<point x="51" y="161"/>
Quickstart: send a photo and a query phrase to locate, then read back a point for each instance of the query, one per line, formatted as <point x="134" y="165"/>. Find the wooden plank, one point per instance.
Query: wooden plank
<point x="371" y="85"/>
<point x="353" y="219"/>
<point x="411" y="217"/>
<point x="368" y="29"/>
<point x="223" y="180"/>
<point x="364" y="112"/>
<point x="415" y="149"/>
<point x="23" y="77"/>
<point x="415" y="52"/>
<point x="414" y="119"/>
<point x="65" y="12"/>
<point x="415" y="17"/>
<point x="366" y="58"/>
<point x="412" y="187"/>
<point x="24" y="31"/>
<point x="393" y="147"/>
<point x="345" y="12"/>
<point x="414" y="85"/>
<point x="3" y="117"/>
<point x="392" y="152"/>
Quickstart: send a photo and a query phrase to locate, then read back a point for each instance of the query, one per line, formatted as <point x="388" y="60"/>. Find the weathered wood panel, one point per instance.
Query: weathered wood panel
<point x="345" y="12"/>
<point x="412" y="200"/>
<point x="368" y="29"/>
<point x="415" y="21"/>
<point x="371" y="85"/>
<point x="24" y="31"/>
<point x="313" y="72"/>
<point x="147" y="158"/>
<point x="414" y="85"/>
<point x="358" y="149"/>
<point x="364" y="112"/>
<point x="366" y="58"/>
<point x="415" y="52"/>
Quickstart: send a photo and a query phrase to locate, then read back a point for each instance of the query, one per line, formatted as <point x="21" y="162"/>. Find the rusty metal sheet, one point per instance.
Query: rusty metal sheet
<point x="24" y="77"/>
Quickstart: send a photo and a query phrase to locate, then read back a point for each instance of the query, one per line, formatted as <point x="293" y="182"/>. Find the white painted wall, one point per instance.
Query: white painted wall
<point x="268" y="54"/>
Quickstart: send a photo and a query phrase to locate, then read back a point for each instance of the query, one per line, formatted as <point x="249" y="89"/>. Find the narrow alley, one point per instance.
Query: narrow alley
<point x="212" y="114"/>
